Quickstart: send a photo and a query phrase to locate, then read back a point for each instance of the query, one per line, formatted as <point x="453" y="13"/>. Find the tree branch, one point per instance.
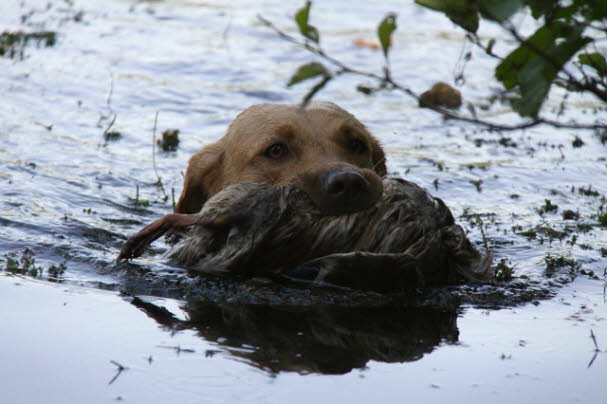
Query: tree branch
<point x="571" y="79"/>
<point x="389" y="83"/>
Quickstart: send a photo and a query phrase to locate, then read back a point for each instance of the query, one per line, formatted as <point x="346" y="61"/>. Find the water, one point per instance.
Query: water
<point x="68" y="195"/>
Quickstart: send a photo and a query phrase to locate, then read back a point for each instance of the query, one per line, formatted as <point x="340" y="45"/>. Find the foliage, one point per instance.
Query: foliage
<point x="385" y="29"/>
<point x="504" y="271"/>
<point x="562" y="51"/>
<point x="307" y="30"/>
<point x="308" y="71"/>
<point x="555" y="262"/>
<point x="569" y="27"/>
<point x="26" y="265"/>
<point x="12" y="44"/>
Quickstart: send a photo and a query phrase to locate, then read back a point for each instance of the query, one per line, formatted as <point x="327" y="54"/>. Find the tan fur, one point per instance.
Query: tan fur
<point x="317" y="137"/>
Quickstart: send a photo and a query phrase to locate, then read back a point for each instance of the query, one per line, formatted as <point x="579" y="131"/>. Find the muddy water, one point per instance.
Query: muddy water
<point x="71" y="195"/>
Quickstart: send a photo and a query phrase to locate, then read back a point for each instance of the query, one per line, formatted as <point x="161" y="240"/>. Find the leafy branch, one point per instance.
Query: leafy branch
<point x="530" y="70"/>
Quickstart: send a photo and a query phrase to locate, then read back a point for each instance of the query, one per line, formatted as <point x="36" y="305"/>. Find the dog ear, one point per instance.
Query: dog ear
<point x="378" y="157"/>
<point x="202" y="178"/>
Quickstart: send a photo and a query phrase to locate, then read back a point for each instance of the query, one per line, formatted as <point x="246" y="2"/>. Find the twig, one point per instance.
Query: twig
<point x="596" y="345"/>
<point x="481" y="225"/>
<point x="390" y="83"/>
<point x="173" y="197"/>
<point x="158" y="179"/>
<point x="154" y="146"/>
<point x="306" y="99"/>
<point x="109" y="96"/>
<point x="488" y="49"/>
<point x="110" y="125"/>
<point x="596" y="348"/>
<point x="178" y="349"/>
<point x="120" y="367"/>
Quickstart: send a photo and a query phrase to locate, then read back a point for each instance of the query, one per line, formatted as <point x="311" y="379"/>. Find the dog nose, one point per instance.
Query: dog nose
<point x="346" y="186"/>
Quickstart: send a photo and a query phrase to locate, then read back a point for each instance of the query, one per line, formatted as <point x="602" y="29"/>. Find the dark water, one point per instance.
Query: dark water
<point x="69" y="194"/>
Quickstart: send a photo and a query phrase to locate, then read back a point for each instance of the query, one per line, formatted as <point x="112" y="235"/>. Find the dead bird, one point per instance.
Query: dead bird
<point x="406" y="240"/>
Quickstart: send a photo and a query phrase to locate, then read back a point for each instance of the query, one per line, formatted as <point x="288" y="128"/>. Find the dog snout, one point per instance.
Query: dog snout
<point x="345" y="186"/>
<point x="347" y="190"/>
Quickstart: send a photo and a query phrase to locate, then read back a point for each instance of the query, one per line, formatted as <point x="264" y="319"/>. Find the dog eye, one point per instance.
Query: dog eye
<point x="357" y="146"/>
<point x="276" y="151"/>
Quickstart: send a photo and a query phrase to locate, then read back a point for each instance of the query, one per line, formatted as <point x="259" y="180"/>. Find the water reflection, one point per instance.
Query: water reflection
<point x="325" y="339"/>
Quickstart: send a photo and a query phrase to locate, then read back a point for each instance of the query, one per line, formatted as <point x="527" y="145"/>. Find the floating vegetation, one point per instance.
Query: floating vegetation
<point x="548" y="207"/>
<point x="507" y="142"/>
<point x="26" y="265"/>
<point x="12" y="44"/>
<point x="503" y="271"/>
<point x="56" y="271"/>
<point x="554" y="262"/>
<point x="546" y="231"/>
<point x="577" y="142"/>
<point x="170" y="140"/>
<point x="111" y="136"/>
<point x="570" y="215"/>
<point x="139" y="202"/>
<point x="588" y="191"/>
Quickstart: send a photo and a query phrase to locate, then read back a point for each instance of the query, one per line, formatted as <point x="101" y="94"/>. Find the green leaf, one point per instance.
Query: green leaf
<point x="507" y="71"/>
<point x="533" y="66"/>
<point x="596" y="61"/>
<point x="312" y="92"/>
<point x="301" y="18"/>
<point x="462" y="12"/>
<point x="540" y="8"/>
<point x="499" y="10"/>
<point x="384" y="32"/>
<point x="308" y="71"/>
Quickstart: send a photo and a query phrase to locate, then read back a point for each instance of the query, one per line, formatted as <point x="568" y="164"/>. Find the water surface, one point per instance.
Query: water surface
<point x="71" y="195"/>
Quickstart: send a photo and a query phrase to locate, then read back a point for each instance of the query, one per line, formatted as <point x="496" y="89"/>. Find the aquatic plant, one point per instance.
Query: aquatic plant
<point x="12" y="44"/>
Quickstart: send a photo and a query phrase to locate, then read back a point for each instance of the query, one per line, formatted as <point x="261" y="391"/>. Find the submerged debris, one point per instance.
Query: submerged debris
<point x="170" y="140"/>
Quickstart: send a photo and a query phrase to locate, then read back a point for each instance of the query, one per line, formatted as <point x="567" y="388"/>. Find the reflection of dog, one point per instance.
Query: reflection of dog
<point x="322" y="149"/>
<point x="318" y="339"/>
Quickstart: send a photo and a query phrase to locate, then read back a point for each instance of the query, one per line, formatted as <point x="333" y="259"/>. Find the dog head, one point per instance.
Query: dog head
<point x="321" y="149"/>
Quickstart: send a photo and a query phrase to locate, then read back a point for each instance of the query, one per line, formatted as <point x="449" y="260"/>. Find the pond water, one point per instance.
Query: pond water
<point x="77" y="177"/>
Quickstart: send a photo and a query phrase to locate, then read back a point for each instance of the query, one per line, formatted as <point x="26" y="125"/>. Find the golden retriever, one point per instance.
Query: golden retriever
<point x="322" y="149"/>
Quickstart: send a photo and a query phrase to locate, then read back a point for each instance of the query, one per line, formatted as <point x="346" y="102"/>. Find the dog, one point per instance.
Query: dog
<point x="288" y="186"/>
<point x="321" y="149"/>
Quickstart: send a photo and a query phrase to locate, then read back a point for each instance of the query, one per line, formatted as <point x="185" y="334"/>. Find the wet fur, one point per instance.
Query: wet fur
<point x="406" y="240"/>
<point x="317" y="137"/>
